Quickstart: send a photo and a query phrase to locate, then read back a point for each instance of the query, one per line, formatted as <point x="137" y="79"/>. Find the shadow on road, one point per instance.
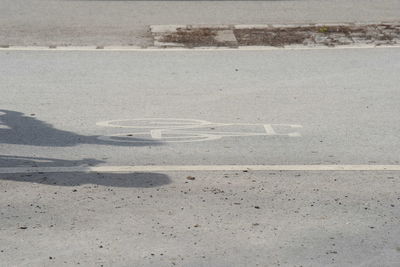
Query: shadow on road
<point x="16" y="128"/>
<point x="143" y="180"/>
<point x="17" y="161"/>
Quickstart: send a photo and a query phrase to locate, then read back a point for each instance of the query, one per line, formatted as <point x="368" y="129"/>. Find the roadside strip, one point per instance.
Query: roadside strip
<point x="274" y="35"/>
<point x="177" y="168"/>
<point x="252" y="37"/>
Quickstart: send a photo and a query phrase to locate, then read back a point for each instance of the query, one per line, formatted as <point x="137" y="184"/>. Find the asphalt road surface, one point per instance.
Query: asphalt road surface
<point x="113" y="22"/>
<point x="86" y="119"/>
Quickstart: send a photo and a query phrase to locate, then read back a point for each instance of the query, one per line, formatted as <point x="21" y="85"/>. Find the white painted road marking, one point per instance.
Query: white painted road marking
<point x="154" y="123"/>
<point x="178" y="168"/>
<point x="156" y="134"/>
<point x="171" y="130"/>
<point x="195" y="49"/>
<point x="269" y="130"/>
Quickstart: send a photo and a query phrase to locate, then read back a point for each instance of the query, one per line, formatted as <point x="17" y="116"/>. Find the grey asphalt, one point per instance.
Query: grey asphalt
<point x="345" y="99"/>
<point x="91" y="22"/>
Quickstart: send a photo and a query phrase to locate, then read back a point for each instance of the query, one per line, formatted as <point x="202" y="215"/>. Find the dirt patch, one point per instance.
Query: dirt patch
<point x="196" y="37"/>
<point x="272" y="36"/>
<point x="280" y="36"/>
<point x="319" y="35"/>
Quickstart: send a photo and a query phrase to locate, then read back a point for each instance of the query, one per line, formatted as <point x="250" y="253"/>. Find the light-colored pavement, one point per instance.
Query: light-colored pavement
<point x="218" y="219"/>
<point x="346" y="101"/>
<point x="90" y="22"/>
<point x="307" y="107"/>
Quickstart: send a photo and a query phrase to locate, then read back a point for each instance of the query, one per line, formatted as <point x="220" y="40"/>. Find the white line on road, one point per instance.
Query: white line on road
<point x="205" y="49"/>
<point x="173" y="168"/>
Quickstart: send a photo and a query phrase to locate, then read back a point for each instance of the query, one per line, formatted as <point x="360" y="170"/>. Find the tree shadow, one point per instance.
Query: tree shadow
<point x="18" y="161"/>
<point x="137" y="179"/>
<point x="16" y="128"/>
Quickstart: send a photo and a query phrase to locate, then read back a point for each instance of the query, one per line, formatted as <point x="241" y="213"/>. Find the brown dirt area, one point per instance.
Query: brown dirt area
<point x="325" y="35"/>
<point x="194" y="37"/>
<point x="317" y="35"/>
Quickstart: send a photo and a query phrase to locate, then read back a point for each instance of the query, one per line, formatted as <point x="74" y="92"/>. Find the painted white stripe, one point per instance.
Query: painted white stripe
<point x="173" y="168"/>
<point x="156" y="134"/>
<point x="183" y="49"/>
<point x="269" y="130"/>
